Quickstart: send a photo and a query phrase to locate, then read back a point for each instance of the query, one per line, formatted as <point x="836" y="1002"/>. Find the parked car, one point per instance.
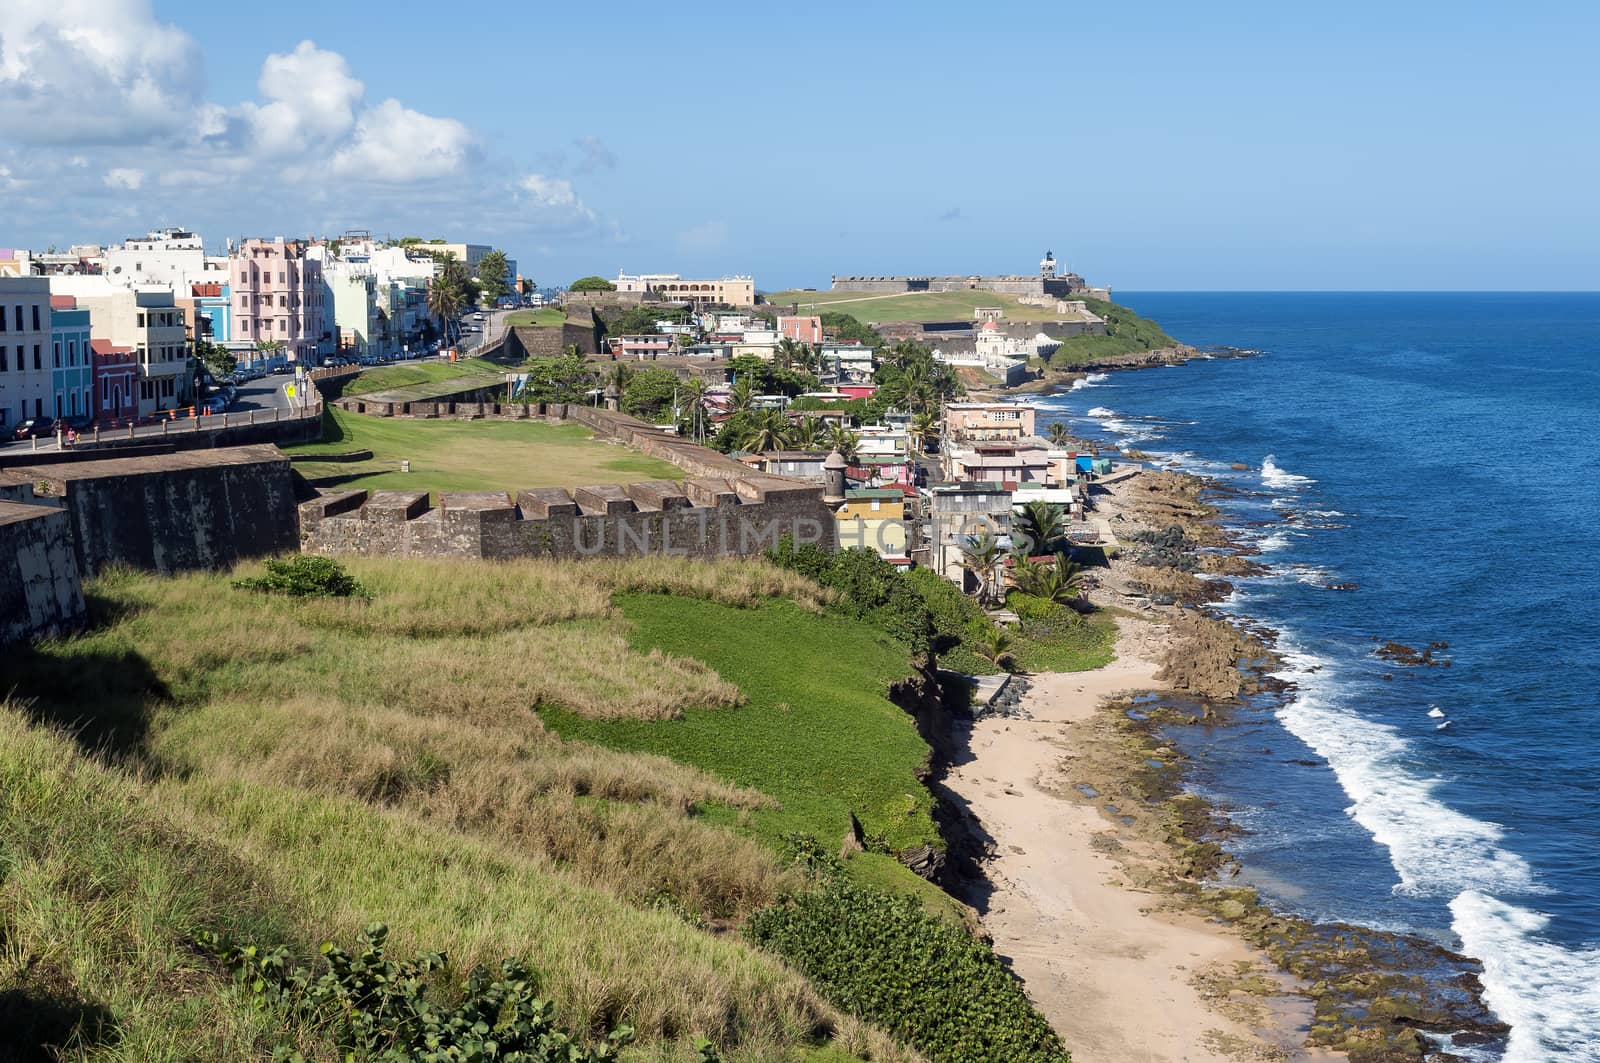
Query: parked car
<point x="36" y="428"/>
<point x="279" y="370"/>
<point x="81" y="423"/>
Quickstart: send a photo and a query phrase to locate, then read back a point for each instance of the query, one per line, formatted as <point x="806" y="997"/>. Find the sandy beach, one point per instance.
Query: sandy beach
<point x="1124" y="975"/>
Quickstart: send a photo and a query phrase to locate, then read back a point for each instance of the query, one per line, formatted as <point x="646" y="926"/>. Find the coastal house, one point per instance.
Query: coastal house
<point x="875" y="519"/>
<point x="1013" y="462"/>
<point x="643" y="347"/>
<point x="957" y="513"/>
<point x="799" y="464"/>
<point x="988" y="421"/>
<point x="114" y="373"/>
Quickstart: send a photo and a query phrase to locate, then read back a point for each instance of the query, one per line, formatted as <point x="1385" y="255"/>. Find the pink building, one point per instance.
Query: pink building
<point x="277" y="296"/>
<point x="801" y="329"/>
<point x="116" y="383"/>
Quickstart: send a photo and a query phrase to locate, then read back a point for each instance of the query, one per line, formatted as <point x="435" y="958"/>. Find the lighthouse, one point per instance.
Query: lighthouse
<point x="1047" y="266"/>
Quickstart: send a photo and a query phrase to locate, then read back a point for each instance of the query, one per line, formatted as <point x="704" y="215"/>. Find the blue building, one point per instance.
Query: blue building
<point x="71" y="359"/>
<point x="214" y="301"/>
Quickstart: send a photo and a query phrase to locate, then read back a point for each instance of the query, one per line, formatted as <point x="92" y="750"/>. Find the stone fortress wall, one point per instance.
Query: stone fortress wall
<point x="722" y="508"/>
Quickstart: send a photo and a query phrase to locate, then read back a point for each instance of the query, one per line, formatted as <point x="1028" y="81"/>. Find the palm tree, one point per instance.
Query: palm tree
<point x="768" y="431"/>
<point x="923" y="429"/>
<point x="1058" y="582"/>
<point x="994" y="646"/>
<point x="1058" y="434"/>
<point x="787" y="353"/>
<point x="805" y="433"/>
<point x="980" y="554"/>
<point x="446" y="300"/>
<point x="743" y="395"/>
<point x="843" y="440"/>
<point x="1042" y="523"/>
<point x="620" y="375"/>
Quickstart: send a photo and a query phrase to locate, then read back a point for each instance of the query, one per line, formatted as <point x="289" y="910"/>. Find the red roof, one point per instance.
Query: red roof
<point x="63" y="302"/>
<point x="205" y="290"/>
<point x="106" y="347"/>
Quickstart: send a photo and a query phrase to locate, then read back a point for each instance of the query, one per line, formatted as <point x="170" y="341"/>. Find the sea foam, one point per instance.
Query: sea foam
<point x="1088" y="381"/>
<point x="1549" y="995"/>
<point x="1272" y="476"/>
<point x="1435" y="850"/>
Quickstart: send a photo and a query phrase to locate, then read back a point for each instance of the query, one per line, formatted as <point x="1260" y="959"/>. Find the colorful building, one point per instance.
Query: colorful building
<point x="801" y="329"/>
<point x="71" y="360"/>
<point x="115" y="382"/>
<point x="278" y="298"/>
<point x="875" y="519"/>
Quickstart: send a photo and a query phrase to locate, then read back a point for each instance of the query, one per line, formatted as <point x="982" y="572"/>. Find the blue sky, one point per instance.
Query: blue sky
<point x="1151" y="145"/>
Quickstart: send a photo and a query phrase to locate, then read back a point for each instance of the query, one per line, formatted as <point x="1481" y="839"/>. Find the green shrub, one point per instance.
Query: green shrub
<point x="375" y="1008"/>
<point x="304" y="576"/>
<point x="923" y="981"/>
<point x="1027" y="607"/>
<point x="871" y="588"/>
<point x="954" y="616"/>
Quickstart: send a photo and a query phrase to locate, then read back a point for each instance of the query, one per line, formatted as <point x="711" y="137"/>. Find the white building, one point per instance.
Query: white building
<point x="174" y="257"/>
<point x="26" y="385"/>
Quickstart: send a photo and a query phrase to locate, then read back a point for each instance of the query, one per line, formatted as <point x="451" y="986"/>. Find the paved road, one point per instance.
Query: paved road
<point x="258" y="396"/>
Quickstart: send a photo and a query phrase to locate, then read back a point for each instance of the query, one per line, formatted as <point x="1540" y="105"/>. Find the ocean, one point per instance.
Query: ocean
<point x="1441" y="452"/>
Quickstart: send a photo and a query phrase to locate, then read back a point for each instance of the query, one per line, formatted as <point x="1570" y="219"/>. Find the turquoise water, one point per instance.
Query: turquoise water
<point x="1442" y="452"/>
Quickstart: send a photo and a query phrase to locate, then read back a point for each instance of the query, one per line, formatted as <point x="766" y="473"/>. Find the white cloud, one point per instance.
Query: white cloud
<point x="311" y="98"/>
<point x="555" y="195"/>
<point x="594" y="155"/>
<point x="394" y="143"/>
<point x="94" y="72"/>
<point x="124" y="177"/>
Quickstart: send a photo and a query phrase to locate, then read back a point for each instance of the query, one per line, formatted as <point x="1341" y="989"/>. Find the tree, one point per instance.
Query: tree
<point x="768" y="431"/>
<point x="742" y="396"/>
<point x="747" y="367"/>
<point x="565" y="379"/>
<point x="219" y="362"/>
<point x="493" y="274"/>
<point x="843" y="440"/>
<point x="649" y="394"/>
<point x="1058" y="434"/>
<point x="787" y="353"/>
<point x="1057" y="581"/>
<point x="994" y="646"/>
<point x="1042" y="524"/>
<point x="805" y="433"/>
<point x="446" y="300"/>
<point x="922" y="429"/>
<point x="980" y="555"/>
<point x="591" y="284"/>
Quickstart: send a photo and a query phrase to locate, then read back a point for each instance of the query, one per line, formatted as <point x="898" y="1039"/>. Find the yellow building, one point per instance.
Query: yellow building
<point x="875" y="519"/>
<point x="723" y="291"/>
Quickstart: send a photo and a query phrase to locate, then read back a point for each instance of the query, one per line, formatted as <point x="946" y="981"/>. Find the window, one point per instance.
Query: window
<point x="3" y="359"/>
<point x="36" y="317"/>
<point x="56" y="353"/>
<point x="38" y="360"/>
<point x="18" y="317"/>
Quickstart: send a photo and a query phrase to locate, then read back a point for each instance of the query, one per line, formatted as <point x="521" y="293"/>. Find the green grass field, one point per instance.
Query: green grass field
<point x="546" y="315"/>
<point x="410" y="374"/>
<point x="817" y="732"/>
<point x="288" y="771"/>
<point x="915" y="306"/>
<point x="1127" y="333"/>
<point x="472" y="455"/>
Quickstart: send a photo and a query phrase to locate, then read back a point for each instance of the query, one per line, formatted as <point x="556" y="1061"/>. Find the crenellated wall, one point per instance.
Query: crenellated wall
<point x="723" y="508"/>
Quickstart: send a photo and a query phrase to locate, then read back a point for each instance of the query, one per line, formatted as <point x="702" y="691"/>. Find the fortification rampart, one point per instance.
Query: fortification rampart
<point x="171" y="512"/>
<point x="40" y="593"/>
<point x="722" y="508"/>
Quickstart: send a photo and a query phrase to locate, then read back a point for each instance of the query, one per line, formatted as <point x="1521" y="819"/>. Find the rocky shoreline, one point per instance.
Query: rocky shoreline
<point x="1377" y="996"/>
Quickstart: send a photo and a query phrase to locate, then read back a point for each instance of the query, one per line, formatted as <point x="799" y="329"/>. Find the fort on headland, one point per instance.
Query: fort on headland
<point x="1046" y="284"/>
